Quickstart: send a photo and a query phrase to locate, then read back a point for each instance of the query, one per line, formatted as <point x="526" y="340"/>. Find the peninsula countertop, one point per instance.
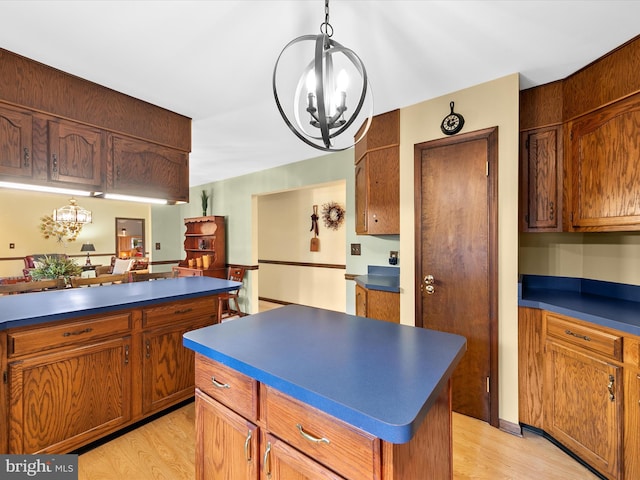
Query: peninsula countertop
<point x="378" y="376"/>
<point x="33" y="308"/>
<point x="386" y="279"/>
<point x="609" y="304"/>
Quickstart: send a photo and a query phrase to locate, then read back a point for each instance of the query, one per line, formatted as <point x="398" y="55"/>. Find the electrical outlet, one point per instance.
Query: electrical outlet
<point x="355" y="249"/>
<point x="157" y="245"/>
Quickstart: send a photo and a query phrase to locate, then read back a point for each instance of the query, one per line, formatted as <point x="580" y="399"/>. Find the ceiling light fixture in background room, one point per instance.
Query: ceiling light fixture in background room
<point x="72" y="213"/>
<point x="330" y="91"/>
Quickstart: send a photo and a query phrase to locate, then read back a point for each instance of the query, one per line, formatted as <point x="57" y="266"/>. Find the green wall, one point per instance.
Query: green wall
<point x="235" y="198"/>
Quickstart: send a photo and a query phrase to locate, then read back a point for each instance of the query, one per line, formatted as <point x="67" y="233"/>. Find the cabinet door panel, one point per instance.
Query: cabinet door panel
<point x="15" y="142"/>
<point x="361" y="301"/>
<point x="169" y="368"/>
<point x="75" y="154"/>
<point x="584" y="408"/>
<point x="604" y="154"/>
<point x="226" y="444"/>
<point x="632" y="423"/>
<point x="284" y="462"/>
<point x="145" y="169"/>
<point x="541" y="170"/>
<point x="64" y="400"/>
<point x="361" y="196"/>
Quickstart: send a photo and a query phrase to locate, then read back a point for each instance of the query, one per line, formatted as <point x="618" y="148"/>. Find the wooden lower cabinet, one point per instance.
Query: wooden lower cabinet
<point x="632" y="423"/>
<point x="226" y="443"/>
<point x="168" y="371"/>
<point x="581" y="387"/>
<point x="247" y="430"/>
<point x="283" y="462"/>
<point x="378" y="304"/>
<point x="73" y="382"/>
<point x="61" y="400"/>
<point x="584" y="407"/>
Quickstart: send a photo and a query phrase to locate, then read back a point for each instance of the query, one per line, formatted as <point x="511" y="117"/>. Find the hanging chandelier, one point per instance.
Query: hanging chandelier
<point x="329" y="93"/>
<point x="71" y="213"/>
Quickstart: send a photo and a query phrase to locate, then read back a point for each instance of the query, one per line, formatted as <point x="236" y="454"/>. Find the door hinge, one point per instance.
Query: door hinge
<point x="488" y="387"/>
<point x="487" y="168"/>
<point x="5" y="377"/>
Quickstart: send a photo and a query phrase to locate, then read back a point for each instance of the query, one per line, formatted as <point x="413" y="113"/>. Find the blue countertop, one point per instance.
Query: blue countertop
<point x="613" y="305"/>
<point x="39" y="307"/>
<point x="379" y="376"/>
<point x="386" y="279"/>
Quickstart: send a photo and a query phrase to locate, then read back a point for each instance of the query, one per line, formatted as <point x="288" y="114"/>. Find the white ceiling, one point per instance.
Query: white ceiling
<point x="213" y="60"/>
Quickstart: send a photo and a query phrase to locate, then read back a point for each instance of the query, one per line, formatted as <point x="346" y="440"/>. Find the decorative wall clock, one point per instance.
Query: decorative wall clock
<point x="452" y="123"/>
<point x="333" y="215"/>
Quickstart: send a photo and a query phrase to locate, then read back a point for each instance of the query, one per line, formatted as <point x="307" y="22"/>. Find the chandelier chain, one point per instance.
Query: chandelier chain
<point x="325" y="27"/>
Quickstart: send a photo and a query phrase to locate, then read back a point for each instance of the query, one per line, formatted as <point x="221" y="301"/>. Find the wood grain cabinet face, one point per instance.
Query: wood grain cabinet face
<point x="142" y="168"/>
<point x="227" y="445"/>
<point x="377" y="177"/>
<point x="76" y="154"/>
<point x="16" y="149"/>
<point x="604" y="156"/>
<point x="541" y="180"/>
<point x="632" y="423"/>
<point x="50" y="397"/>
<point x="168" y="373"/>
<point x="377" y="304"/>
<point x="584" y="406"/>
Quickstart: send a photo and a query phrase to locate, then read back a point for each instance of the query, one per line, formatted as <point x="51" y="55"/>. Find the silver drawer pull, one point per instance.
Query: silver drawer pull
<point x="218" y="384"/>
<point x="583" y="337"/>
<point x="311" y="438"/>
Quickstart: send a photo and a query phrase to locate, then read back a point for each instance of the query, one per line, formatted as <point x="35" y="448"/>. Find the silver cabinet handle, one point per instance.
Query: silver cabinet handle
<point x="247" y="446"/>
<point x="265" y="460"/>
<point x="218" y="384"/>
<point x="311" y="438"/>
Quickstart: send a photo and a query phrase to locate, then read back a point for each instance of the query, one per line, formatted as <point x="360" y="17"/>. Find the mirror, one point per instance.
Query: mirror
<point x="130" y="238"/>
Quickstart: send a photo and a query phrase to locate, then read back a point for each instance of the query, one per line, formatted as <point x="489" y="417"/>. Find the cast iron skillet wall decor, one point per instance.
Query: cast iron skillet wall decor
<point x="452" y="123"/>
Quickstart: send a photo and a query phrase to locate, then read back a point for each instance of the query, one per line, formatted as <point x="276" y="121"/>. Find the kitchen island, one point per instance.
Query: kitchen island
<point x="304" y="391"/>
<point x="81" y="363"/>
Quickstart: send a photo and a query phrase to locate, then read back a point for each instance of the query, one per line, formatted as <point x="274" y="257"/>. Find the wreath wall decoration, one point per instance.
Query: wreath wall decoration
<point x="333" y="215"/>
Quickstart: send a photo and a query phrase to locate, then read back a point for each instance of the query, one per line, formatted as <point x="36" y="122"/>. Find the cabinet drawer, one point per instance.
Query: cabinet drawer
<point x="174" y="312"/>
<point x="336" y="444"/>
<point x="53" y="336"/>
<point x="228" y="386"/>
<point x="586" y="337"/>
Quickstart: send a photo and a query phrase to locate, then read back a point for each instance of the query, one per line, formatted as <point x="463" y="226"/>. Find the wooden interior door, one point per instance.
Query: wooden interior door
<point x="456" y="260"/>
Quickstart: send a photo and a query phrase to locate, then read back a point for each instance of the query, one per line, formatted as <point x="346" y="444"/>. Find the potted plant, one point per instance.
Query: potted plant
<point x="205" y="202"/>
<point x="52" y="267"/>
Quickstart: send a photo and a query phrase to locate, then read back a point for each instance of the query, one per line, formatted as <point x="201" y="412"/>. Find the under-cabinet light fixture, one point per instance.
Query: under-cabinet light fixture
<point x="46" y="189"/>
<point x="133" y="198"/>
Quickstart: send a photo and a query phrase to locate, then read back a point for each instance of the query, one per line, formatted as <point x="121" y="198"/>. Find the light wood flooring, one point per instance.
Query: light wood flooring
<point x="164" y="449"/>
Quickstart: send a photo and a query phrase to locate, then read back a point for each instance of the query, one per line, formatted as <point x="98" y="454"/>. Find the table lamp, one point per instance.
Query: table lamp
<point x="88" y="247"/>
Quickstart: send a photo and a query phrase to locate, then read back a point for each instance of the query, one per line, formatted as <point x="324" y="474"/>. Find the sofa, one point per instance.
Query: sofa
<point x="119" y="266"/>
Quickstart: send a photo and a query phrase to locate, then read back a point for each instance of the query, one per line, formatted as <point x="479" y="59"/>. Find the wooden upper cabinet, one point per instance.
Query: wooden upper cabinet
<point x="603" y="164"/>
<point x="541" y="180"/>
<point x="76" y="154"/>
<point x="377" y="178"/>
<point x="141" y="168"/>
<point x="16" y="148"/>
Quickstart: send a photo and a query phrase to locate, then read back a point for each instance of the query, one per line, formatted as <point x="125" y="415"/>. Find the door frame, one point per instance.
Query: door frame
<point x="491" y="137"/>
